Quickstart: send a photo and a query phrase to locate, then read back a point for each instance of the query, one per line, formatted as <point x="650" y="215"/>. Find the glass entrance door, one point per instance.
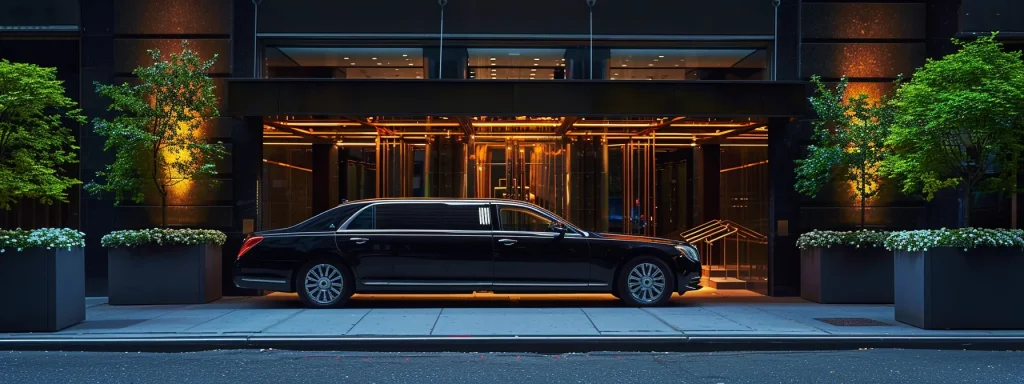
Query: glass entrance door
<point x="516" y="169"/>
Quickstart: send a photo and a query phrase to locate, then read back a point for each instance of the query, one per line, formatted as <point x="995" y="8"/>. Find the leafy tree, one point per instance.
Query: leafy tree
<point x="959" y="123"/>
<point x="849" y="137"/>
<point x="35" y="143"/>
<point x="156" y="135"/>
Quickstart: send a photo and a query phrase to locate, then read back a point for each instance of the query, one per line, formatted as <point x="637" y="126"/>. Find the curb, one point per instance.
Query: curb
<point x="524" y="344"/>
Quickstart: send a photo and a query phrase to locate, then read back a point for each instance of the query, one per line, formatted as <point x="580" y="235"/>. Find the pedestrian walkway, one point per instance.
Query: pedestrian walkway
<point x="707" y="315"/>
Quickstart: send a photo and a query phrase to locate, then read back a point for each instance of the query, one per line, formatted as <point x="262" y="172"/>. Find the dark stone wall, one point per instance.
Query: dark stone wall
<point x="39" y="12"/>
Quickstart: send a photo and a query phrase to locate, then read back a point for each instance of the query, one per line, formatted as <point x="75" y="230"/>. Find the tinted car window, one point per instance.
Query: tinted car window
<point x="458" y="217"/>
<point x="329" y="220"/>
<point x="365" y="219"/>
<point x="518" y="219"/>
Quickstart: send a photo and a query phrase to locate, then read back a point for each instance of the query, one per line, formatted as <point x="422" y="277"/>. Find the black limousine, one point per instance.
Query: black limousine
<point x="459" y="246"/>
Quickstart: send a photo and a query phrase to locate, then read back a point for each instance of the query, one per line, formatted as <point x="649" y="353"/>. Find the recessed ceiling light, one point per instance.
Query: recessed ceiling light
<point x="352" y="63"/>
<point x="661" y="56"/>
<point x="655" y="59"/>
<point x="396" y="69"/>
<point x="616" y="74"/>
<point x="535" y="64"/>
<point x="492" y="69"/>
<point x="346" y="58"/>
<point x="533" y="69"/>
<point x="623" y="65"/>
<point x="411" y="64"/>
<point x="677" y="65"/>
<point x="373" y="58"/>
<point x="650" y="65"/>
<point x="613" y="78"/>
<point x="536" y="59"/>
<point x="492" y="59"/>
<point x="379" y="64"/>
<point x="404" y="55"/>
<point x="493" y="64"/>
<point x="419" y="77"/>
<point x="563" y="59"/>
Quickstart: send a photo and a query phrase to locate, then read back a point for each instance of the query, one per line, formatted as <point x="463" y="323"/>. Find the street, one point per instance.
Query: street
<point x="863" y="366"/>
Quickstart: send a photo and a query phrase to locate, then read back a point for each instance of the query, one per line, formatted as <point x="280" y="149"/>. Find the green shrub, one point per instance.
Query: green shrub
<point x="162" y="236"/>
<point x="858" y="239"/>
<point x="49" y="238"/>
<point x="966" y="238"/>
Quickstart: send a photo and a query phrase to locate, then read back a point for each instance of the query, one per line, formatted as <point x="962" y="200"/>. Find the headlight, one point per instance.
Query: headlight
<point x="689" y="252"/>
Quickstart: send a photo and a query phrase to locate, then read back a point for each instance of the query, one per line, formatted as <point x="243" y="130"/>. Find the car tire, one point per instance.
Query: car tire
<point x="324" y="284"/>
<point x="640" y="279"/>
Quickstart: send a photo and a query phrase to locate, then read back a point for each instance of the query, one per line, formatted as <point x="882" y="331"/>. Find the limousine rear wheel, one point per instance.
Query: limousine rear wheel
<point x="323" y="284"/>
<point x="645" y="282"/>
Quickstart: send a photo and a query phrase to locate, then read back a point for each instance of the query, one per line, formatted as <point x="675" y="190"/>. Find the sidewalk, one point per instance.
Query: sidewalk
<point x="706" y="320"/>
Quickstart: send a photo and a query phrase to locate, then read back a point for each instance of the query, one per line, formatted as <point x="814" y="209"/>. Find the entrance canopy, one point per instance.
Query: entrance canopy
<point x="595" y="98"/>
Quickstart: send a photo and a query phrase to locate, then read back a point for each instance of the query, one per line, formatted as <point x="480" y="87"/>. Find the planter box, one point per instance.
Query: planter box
<point x="947" y="288"/>
<point x="44" y="289"/>
<point x="182" y="274"/>
<point x="846" y="275"/>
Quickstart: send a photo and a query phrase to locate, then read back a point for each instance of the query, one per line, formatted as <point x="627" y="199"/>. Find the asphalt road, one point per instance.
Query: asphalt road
<point x="249" y="367"/>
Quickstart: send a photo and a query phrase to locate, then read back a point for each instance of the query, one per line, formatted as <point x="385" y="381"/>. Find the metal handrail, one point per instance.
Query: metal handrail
<point x="705" y="235"/>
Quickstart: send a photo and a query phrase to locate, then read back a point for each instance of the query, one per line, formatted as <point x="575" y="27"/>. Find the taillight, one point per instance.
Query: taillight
<point x="250" y="242"/>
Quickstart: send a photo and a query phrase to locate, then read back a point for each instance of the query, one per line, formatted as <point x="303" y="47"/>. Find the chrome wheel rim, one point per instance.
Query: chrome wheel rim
<point x="324" y="283"/>
<point x="646" y="283"/>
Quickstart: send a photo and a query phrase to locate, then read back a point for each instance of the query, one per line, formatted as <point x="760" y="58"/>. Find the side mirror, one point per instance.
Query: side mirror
<point x="559" y="229"/>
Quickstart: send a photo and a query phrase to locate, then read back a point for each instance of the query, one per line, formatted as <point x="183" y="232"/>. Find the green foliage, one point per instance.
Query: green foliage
<point x="849" y="137"/>
<point x="156" y="135"/>
<point x="50" y="238"/>
<point x="162" y="236"/>
<point x="959" y="123"/>
<point x="858" y="239"/>
<point x="965" y="238"/>
<point x="35" y="144"/>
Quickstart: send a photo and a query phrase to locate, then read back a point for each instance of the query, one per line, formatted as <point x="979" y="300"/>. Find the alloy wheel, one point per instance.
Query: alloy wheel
<point x="646" y="283"/>
<point x="324" y="283"/>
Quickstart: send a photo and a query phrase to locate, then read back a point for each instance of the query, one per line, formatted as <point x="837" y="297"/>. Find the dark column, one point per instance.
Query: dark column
<point x="942" y="23"/>
<point x="788" y="45"/>
<point x="455" y="62"/>
<point x="97" y="44"/>
<point x="783" y="211"/>
<point x="578" y="63"/>
<point x="711" y="177"/>
<point x="325" y="177"/>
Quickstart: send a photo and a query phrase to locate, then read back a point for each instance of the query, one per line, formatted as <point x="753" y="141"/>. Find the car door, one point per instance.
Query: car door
<point x="439" y="245"/>
<point x="528" y="253"/>
<point x="365" y="248"/>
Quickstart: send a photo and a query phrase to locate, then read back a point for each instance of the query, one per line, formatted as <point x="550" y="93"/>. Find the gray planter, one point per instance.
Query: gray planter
<point x="182" y="274"/>
<point x="44" y="289"/>
<point x="846" y="275"/>
<point x="948" y="288"/>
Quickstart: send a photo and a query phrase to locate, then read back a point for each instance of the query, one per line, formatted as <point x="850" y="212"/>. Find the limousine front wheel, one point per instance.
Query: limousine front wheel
<point x="645" y="282"/>
<point x="323" y="284"/>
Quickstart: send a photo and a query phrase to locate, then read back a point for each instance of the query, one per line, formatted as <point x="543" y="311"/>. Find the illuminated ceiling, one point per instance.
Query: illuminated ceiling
<point x="363" y="131"/>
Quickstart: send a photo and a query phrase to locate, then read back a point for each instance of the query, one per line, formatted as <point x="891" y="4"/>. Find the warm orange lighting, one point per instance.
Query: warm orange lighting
<point x="616" y="125"/>
<point x="317" y="124"/>
<point x="513" y="124"/>
<point x="286" y="165"/>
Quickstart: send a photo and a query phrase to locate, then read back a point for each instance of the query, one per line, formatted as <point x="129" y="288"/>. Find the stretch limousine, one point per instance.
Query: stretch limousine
<point x="459" y="246"/>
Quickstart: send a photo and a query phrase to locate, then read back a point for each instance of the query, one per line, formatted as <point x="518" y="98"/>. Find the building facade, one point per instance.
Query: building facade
<point x="656" y="117"/>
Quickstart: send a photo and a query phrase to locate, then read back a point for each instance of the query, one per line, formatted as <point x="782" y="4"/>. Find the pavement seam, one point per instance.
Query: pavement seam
<point x="727" y="317"/>
<point x="361" y="319"/>
<point x="215" y="318"/>
<point x="657" y="317"/>
<point x="436" y="319"/>
<point x="596" y="329"/>
<point x="289" y="317"/>
<point x="791" y="319"/>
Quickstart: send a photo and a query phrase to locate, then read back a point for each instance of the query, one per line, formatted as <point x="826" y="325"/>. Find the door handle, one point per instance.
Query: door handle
<point x="359" y="240"/>
<point x="507" y="241"/>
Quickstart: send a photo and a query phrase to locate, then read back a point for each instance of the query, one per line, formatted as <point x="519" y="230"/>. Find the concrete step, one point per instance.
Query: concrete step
<point x="726" y="283"/>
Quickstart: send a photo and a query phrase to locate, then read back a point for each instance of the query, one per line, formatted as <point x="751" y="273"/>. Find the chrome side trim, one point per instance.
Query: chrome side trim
<point x="478" y="284"/>
<point x="258" y="280"/>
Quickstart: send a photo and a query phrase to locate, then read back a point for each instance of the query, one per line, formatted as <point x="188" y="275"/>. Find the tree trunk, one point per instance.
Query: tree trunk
<point x="863" y="212"/>
<point x="967" y="206"/>
<point x="163" y="210"/>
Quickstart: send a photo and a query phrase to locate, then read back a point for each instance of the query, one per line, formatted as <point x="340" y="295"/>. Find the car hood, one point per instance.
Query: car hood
<point x="641" y="239"/>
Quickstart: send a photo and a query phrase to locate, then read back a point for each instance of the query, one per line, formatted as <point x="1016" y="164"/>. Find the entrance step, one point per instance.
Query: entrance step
<point x="714" y="271"/>
<point x="726" y="283"/>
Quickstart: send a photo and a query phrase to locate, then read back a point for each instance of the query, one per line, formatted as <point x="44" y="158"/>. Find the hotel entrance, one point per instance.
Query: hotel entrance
<point x="688" y="160"/>
<point x="699" y="180"/>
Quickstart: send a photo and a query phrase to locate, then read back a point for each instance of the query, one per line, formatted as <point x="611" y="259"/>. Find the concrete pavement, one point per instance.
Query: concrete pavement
<point x="705" y="320"/>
